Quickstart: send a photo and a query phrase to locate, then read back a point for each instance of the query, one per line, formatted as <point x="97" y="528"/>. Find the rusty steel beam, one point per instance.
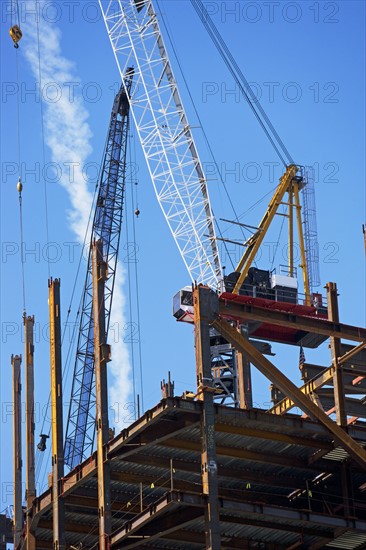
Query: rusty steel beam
<point x="269" y="370"/>
<point x="101" y="358"/>
<point x="30" y="488"/>
<point x="277" y="480"/>
<point x="274" y="436"/>
<point x="244" y="454"/>
<point x="248" y="312"/>
<point x="335" y="346"/>
<point x="325" y="377"/>
<point x="351" y="353"/>
<point x="204" y="308"/>
<point x="16" y="361"/>
<point x="196" y="487"/>
<point x="307" y="389"/>
<point x="160" y="528"/>
<point x="58" y="505"/>
<point x="244" y="379"/>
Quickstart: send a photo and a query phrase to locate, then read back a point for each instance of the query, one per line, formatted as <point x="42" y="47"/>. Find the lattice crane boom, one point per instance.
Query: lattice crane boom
<point x="106" y="226"/>
<point x="165" y="134"/>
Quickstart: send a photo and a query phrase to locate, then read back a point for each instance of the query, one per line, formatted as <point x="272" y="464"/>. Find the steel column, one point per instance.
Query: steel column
<point x="304" y="267"/>
<point x="17" y="448"/>
<point x="205" y="308"/>
<point x="288" y="388"/>
<point x="335" y="346"/>
<point x="101" y="358"/>
<point x="291" y="230"/>
<point x="244" y="378"/>
<point x="29" y="415"/>
<point x="59" y="542"/>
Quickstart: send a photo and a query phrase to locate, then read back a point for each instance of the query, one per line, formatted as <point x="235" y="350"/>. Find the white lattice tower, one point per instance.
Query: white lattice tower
<point x="165" y="135"/>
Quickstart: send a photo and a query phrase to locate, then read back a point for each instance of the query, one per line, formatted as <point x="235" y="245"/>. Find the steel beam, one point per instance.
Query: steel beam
<point x="101" y="358"/>
<point x="205" y="302"/>
<point x="307" y="389"/>
<point x="335" y="346"/>
<point x="30" y="486"/>
<point x="244" y="312"/>
<point x="350" y="352"/>
<point x="244" y="454"/>
<point x="58" y="506"/>
<point x="300" y="233"/>
<point x="17" y="448"/>
<point x="326" y="376"/>
<point x="269" y="370"/>
<point x="277" y="480"/>
<point x="244" y="377"/>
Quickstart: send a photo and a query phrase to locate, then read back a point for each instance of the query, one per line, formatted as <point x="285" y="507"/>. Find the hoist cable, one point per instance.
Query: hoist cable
<point x="20" y="185"/>
<point x="204" y="135"/>
<point x="240" y="78"/>
<point x="130" y="314"/>
<point x="242" y="83"/>
<point x="21" y="249"/>
<point x="18" y="115"/>
<point x="136" y="279"/>
<point x="43" y="147"/>
<point x="18" y="14"/>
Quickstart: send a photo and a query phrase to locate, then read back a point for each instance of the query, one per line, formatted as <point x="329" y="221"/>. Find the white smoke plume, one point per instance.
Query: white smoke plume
<point x="68" y="137"/>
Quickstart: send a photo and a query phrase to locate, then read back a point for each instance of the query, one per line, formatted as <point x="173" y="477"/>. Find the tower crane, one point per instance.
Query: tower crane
<point x="107" y="222"/>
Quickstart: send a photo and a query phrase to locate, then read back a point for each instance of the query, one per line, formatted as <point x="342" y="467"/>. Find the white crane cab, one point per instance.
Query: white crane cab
<point x="183" y="305"/>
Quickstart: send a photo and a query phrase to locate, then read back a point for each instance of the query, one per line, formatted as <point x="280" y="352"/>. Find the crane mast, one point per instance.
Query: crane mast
<point x="107" y="223"/>
<point x="165" y="134"/>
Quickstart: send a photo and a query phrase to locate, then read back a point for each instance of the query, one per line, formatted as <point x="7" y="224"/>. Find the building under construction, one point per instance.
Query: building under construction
<point x="207" y="469"/>
<point x="191" y="473"/>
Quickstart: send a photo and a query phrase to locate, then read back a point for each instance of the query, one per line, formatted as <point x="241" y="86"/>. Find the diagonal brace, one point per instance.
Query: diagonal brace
<point x="316" y="383"/>
<point x="269" y="370"/>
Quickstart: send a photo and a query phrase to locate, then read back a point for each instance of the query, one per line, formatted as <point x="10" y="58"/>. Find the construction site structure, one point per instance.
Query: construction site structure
<point x="193" y="472"/>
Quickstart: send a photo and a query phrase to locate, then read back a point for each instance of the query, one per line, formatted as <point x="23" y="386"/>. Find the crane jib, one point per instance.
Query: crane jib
<point x="165" y="135"/>
<point x="106" y="226"/>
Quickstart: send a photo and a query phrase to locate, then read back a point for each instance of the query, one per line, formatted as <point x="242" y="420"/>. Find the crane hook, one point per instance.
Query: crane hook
<point x="15" y="34"/>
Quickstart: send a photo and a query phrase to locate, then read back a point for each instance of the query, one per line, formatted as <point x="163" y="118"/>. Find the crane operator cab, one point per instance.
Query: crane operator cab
<point x="183" y="305"/>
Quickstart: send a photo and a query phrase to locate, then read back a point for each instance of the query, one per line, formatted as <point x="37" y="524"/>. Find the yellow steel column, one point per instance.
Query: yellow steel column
<point x="335" y="346"/>
<point x="300" y="232"/>
<point x="29" y="415"/>
<point x="17" y="448"/>
<point x="245" y="396"/>
<point x="291" y="231"/>
<point x="101" y="358"/>
<point x="205" y="309"/>
<point x="59" y="542"/>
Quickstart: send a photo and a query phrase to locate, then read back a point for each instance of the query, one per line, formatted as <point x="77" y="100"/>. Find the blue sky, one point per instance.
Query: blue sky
<point x="305" y="60"/>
